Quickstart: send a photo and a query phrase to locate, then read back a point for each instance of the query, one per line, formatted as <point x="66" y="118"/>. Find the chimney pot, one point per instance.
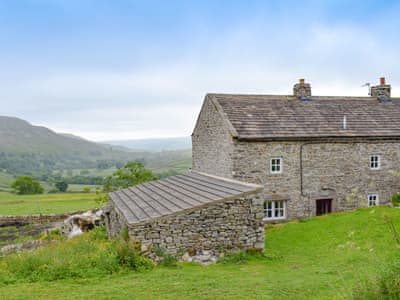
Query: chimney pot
<point x="382" y="89"/>
<point x="301" y="81"/>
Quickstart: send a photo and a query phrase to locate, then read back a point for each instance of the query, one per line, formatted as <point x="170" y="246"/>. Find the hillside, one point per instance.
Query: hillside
<point x="154" y="145"/>
<point x="36" y="150"/>
<point x="19" y="136"/>
<point x="330" y="257"/>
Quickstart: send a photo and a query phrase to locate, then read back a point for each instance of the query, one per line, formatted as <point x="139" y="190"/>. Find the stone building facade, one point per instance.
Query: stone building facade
<point x="190" y="214"/>
<point x="334" y="153"/>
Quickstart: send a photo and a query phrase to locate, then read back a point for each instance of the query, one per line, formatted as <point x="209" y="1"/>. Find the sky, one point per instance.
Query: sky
<point x="124" y="69"/>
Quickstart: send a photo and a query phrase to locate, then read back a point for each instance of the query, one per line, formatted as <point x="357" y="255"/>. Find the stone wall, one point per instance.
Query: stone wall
<point x="222" y="225"/>
<point x="338" y="170"/>
<point x="335" y="169"/>
<point x="251" y="163"/>
<point x="212" y="144"/>
<point x="31" y="219"/>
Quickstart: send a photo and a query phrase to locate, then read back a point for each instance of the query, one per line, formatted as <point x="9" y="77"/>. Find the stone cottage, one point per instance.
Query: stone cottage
<point x="263" y="158"/>
<point x="189" y="213"/>
<point x="312" y="154"/>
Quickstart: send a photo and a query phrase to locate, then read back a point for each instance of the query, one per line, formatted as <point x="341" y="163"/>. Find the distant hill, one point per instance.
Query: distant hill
<point x="154" y="145"/>
<point x="29" y="149"/>
<point x="19" y="136"/>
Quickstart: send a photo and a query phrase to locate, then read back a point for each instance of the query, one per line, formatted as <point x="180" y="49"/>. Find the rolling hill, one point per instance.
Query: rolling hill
<point x="19" y="136"/>
<point x="154" y="145"/>
<point x="29" y="149"/>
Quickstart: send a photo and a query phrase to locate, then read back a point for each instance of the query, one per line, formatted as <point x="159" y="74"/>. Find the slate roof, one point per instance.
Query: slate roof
<point x="269" y="117"/>
<point x="155" y="199"/>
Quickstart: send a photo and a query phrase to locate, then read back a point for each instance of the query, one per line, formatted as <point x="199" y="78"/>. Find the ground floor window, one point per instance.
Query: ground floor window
<point x="373" y="199"/>
<point x="275" y="210"/>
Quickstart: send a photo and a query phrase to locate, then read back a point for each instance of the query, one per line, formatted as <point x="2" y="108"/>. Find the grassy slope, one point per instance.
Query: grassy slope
<point x="321" y="258"/>
<point x="11" y="204"/>
<point x="5" y="181"/>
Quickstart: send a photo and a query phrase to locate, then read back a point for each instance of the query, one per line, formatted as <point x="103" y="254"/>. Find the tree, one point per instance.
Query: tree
<point x="25" y="185"/>
<point x="131" y="174"/>
<point x="62" y="186"/>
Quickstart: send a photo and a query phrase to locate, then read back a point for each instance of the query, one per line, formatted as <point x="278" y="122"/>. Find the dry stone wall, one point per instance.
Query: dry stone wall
<point x="223" y="225"/>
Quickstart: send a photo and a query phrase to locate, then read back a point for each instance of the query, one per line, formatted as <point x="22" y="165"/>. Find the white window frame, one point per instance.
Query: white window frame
<point x="374" y="162"/>
<point x="278" y="212"/>
<point x="275" y="164"/>
<point x="373" y="199"/>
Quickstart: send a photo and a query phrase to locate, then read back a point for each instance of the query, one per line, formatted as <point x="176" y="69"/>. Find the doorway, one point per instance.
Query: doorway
<point x="324" y="206"/>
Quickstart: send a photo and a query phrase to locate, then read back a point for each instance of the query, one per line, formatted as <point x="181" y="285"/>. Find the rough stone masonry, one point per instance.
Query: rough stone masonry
<point x="231" y="218"/>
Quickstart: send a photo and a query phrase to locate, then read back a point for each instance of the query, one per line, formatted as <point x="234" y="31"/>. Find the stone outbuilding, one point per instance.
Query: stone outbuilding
<point x="189" y="213"/>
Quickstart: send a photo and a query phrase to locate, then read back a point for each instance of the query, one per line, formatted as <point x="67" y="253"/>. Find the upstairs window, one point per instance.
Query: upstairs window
<point x="374" y="162"/>
<point x="373" y="199"/>
<point x="276" y="165"/>
<point x="275" y="210"/>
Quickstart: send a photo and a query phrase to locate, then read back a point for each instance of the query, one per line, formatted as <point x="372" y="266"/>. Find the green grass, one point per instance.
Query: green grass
<point x="5" y="181"/>
<point x="320" y="258"/>
<point x="11" y="204"/>
<point x="80" y="187"/>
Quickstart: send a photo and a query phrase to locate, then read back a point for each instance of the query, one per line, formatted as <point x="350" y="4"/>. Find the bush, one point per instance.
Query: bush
<point x="25" y="185"/>
<point x="167" y="260"/>
<point x="62" y="186"/>
<point x="396" y="199"/>
<point x="129" y="256"/>
<point x="86" y="189"/>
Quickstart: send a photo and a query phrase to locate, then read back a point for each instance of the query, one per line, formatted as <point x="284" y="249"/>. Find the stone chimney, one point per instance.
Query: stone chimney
<point x="382" y="89"/>
<point x="302" y="89"/>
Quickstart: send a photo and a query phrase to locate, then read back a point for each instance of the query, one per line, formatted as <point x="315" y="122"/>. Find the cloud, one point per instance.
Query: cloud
<point x="163" y="96"/>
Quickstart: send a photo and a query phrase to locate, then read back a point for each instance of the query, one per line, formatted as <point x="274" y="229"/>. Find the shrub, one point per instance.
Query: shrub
<point x="129" y="256"/>
<point x="25" y="185"/>
<point x="167" y="260"/>
<point x="62" y="186"/>
<point x="86" y="189"/>
<point x="52" y="191"/>
<point x="396" y="199"/>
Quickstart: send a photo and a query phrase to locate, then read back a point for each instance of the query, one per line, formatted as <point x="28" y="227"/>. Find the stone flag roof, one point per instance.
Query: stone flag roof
<point x="155" y="199"/>
<point x="268" y="117"/>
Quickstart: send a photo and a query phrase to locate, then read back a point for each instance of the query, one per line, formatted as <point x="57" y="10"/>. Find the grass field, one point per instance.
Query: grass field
<point x="320" y="258"/>
<point x="11" y="204"/>
<point x="5" y="181"/>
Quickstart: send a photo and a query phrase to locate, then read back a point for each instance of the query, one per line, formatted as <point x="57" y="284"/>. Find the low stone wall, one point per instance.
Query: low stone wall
<point x="31" y="219"/>
<point x="219" y="226"/>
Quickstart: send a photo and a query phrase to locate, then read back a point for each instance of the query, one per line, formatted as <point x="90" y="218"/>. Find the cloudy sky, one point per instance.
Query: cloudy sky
<point x="121" y="69"/>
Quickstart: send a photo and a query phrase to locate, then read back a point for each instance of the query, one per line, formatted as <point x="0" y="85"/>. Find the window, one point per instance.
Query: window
<point x="276" y="165"/>
<point x="374" y="162"/>
<point x="373" y="199"/>
<point x="275" y="210"/>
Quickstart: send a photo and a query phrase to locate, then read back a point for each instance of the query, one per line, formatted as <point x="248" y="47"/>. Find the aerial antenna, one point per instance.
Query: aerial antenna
<point x="369" y="87"/>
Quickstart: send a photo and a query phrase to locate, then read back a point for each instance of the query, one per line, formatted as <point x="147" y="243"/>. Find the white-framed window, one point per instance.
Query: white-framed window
<point x="375" y="162"/>
<point x="373" y="199"/>
<point x="276" y="165"/>
<point x="274" y="209"/>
